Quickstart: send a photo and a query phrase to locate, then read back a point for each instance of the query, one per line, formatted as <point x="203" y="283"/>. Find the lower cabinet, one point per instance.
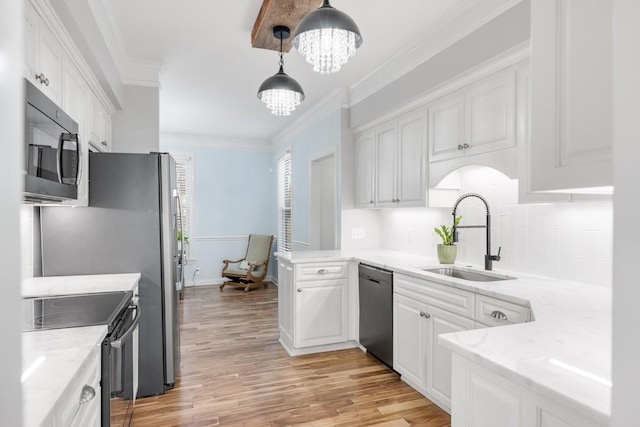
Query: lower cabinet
<point x="417" y="355"/>
<point x="483" y="398"/>
<point x="312" y="306"/>
<point x="80" y="406"/>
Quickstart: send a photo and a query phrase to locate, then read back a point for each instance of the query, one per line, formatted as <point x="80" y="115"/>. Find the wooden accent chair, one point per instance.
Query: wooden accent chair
<point x="250" y="271"/>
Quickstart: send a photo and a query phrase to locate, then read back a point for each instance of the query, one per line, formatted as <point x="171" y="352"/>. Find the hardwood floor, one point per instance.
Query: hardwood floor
<point x="235" y="373"/>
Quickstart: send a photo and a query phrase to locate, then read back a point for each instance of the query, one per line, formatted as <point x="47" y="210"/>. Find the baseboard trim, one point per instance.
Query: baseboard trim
<point x="317" y="349"/>
<point x="220" y="281"/>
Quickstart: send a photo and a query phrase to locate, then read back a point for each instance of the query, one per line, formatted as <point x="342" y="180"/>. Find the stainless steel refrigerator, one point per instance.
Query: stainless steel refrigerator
<point x="130" y="226"/>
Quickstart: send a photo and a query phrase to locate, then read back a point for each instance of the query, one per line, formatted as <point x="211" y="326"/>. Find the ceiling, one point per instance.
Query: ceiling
<point x="210" y="73"/>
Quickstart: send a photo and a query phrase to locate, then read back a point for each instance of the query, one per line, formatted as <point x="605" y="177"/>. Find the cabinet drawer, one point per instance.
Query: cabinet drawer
<point x="71" y="408"/>
<point x="445" y="297"/>
<point x="321" y="271"/>
<point x="495" y="312"/>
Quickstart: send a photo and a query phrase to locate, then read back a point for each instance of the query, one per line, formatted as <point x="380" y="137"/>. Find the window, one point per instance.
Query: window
<point x="184" y="182"/>
<point x="284" y="203"/>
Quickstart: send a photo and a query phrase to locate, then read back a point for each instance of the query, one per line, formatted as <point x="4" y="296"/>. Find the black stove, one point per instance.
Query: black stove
<point x="74" y="310"/>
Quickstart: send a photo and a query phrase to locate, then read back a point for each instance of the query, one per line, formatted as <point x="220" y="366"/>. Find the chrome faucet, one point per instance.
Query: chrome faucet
<point x="488" y="258"/>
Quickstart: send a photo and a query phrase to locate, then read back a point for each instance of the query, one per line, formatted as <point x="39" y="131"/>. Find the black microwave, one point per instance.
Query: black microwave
<point x="52" y="150"/>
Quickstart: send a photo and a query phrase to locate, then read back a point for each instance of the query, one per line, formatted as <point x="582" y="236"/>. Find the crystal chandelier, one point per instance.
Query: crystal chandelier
<point x="281" y="93"/>
<point x="327" y="38"/>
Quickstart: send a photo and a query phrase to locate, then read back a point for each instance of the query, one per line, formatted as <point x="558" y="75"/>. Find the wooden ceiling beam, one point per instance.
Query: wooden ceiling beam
<point x="279" y="12"/>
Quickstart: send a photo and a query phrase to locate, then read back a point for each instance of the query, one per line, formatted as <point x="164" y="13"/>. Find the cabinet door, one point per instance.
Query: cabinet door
<point x="490" y="114"/>
<point x="75" y="102"/>
<point x="386" y="164"/>
<point x="446" y="127"/>
<point x="571" y="96"/>
<point x="321" y="313"/>
<point x="49" y="64"/>
<point x="106" y="127"/>
<point x="30" y="34"/>
<point x="285" y="302"/>
<point x="439" y="358"/>
<point x="365" y="162"/>
<point x="96" y="124"/>
<point x="412" y="173"/>
<point x="410" y="341"/>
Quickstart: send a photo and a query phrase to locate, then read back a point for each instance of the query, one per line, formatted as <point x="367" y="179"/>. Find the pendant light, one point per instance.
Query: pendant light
<point x="281" y="93"/>
<point x="327" y="38"/>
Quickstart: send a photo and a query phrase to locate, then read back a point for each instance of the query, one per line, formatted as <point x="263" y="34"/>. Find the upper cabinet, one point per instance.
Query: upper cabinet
<point x="571" y="97"/>
<point x="476" y="119"/>
<point x="43" y="56"/>
<point x="391" y="162"/>
<point x="54" y="65"/>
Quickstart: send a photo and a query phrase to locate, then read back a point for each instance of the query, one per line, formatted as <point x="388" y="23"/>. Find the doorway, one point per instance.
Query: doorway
<point x="323" y="215"/>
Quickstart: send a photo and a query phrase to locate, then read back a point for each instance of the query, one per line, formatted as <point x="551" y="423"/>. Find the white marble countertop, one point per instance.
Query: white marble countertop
<point x="51" y="361"/>
<point x="83" y="284"/>
<point x="565" y="354"/>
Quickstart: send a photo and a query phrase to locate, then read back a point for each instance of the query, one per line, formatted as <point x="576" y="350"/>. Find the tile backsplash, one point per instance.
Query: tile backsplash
<point x="569" y="241"/>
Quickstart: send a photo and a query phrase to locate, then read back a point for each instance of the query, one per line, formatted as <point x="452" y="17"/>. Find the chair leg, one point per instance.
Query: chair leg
<point x="222" y="286"/>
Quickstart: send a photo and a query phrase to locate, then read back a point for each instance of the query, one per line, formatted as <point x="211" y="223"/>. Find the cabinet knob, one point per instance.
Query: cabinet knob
<point x="371" y="202"/>
<point x="498" y="315"/>
<point x="88" y="393"/>
<point x="465" y="146"/>
<point x="104" y="143"/>
<point x="460" y="147"/>
<point x="299" y="289"/>
<point x="425" y="315"/>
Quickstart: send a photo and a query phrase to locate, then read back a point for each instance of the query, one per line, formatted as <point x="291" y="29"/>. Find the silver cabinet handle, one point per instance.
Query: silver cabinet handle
<point x="460" y="147"/>
<point x="498" y="315"/>
<point x="103" y="143"/>
<point x="425" y="315"/>
<point x="371" y="202"/>
<point x="88" y="393"/>
<point x="323" y="271"/>
<point x="465" y="145"/>
<point x="299" y="289"/>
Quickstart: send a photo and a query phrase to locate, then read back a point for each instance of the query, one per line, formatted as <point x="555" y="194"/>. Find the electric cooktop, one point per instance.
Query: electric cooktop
<point x="74" y="310"/>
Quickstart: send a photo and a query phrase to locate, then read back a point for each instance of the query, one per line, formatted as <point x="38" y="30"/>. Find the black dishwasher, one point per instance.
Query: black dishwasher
<point x="376" y="312"/>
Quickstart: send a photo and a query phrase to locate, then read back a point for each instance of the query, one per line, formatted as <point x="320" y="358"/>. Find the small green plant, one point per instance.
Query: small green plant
<point x="446" y="233"/>
<point x="186" y="239"/>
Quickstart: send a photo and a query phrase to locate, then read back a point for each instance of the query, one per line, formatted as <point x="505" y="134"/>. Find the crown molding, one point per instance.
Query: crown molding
<point x="451" y="28"/>
<point x="132" y="72"/>
<point x="213" y="142"/>
<point x="334" y="101"/>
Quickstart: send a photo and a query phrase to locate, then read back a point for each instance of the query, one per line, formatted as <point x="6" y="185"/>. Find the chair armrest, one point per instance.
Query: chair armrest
<point x="253" y="265"/>
<point x="226" y="261"/>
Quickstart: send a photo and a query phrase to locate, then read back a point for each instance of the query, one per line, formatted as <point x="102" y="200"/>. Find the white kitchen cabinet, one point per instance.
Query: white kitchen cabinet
<point x="438" y="372"/>
<point x="483" y="398"/>
<point x="571" y="96"/>
<point x="321" y="312"/>
<point x="394" y="173"/>
<point x="410" y="341"/>
<point x="80" y="405"/>
<point x="365" y="164"/>
<point x="75" y="102"/>
<point x="285" y="302"/>
<point x="99" y="126"/>
<point x="42" y="61"/>
<point x="312" y="306"/>
<point x="477" y="119"/>
<point x="419" y="318"/>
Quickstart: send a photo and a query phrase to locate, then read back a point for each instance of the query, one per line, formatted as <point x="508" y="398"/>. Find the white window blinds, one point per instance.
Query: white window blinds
<point x="184" y="182"/>
<point x="284" y="203"/>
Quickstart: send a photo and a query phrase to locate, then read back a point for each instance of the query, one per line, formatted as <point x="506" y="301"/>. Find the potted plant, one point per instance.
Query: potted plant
<point x="447" y="250"/>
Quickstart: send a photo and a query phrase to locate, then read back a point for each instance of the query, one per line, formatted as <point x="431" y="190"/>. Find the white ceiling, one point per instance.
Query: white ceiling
<point x="210" y="73"/>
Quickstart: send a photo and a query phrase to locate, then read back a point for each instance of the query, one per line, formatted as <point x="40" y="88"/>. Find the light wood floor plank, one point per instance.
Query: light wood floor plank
<point x="234" y="372"/>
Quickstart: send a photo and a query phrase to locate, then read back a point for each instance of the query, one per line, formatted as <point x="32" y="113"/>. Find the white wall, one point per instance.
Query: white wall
<point x="136" y="128"/>
<point x="570" y="241"/>
<point x="11" y="129"/>
<point x="626" y="289"/>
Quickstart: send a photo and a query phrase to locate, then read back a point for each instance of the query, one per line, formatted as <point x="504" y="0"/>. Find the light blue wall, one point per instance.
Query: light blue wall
<point x="315" y="141"/>
<point x="233" y="197"/>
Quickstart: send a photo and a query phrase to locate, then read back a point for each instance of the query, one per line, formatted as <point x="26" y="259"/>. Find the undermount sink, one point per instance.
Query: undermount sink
<point x="474" y="276"/>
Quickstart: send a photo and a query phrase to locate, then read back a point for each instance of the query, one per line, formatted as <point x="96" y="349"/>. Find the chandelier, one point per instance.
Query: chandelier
<point x="327" y="38"/>
<point x="281" y="93"/>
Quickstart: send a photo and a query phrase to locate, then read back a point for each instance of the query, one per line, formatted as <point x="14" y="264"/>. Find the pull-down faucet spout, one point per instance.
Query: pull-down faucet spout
<point x="488" y="258"/>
